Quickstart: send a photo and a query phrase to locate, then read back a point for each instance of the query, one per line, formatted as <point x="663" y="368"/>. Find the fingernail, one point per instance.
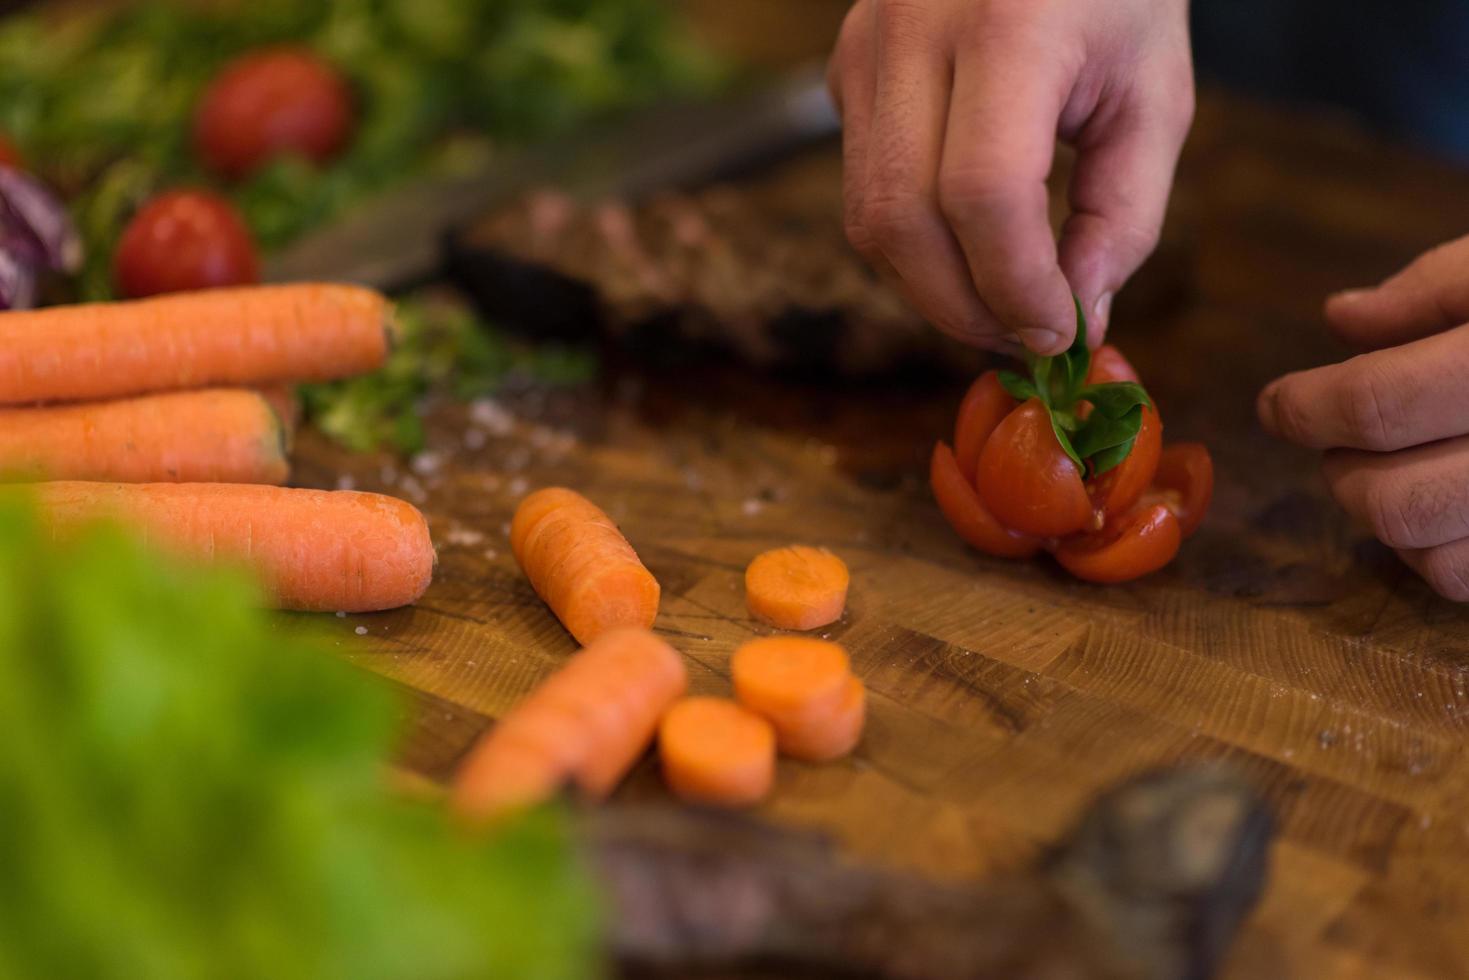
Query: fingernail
<point x="1042" y="341"/>
<point x="1265" y="406"/>
<point x="1350" y="296"/>
<point x="1102" y="308"/>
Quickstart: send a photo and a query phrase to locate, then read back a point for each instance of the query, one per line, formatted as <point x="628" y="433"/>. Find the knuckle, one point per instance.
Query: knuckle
<point x="1369" y="411"/>
<point x="900" y="20"/>
<point x="1293" y="416"/>
<point x="1389" y="513"/>
<point x="1446" y="574"/>
<point x="891" y="218"/>
<point x="967" y="194"/>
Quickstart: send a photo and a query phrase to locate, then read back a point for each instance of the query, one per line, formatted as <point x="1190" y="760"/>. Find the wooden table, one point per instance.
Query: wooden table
<point x="1003" y="696"/>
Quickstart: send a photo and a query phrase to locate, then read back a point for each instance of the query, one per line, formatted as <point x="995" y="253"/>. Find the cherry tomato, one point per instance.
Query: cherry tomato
<point x="1115" y="491"/>
<point x="1184" y="483"/>
<point x="965" y="512"/>
<point x="1027" y="481"/>
<point x="269" y="103"/>
<point x="1108" y="365"/>
<point x="10" y="154"/>
<point x="183" y="240"/>
<point x="1141" y="543"/>
<point x="985" y="406"/>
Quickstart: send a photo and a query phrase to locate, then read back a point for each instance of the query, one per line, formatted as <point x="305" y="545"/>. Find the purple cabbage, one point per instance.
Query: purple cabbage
<point x="36" y="237"/>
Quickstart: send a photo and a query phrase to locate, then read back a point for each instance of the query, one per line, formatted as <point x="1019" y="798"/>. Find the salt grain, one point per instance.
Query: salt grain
<point x="346" y="482"/>
<point x="466" y="536"/>
<point x="752" y="507"/>
<point x="518" y="486"/>
<point x="361" y="631"/>
<point x="492" y="416"/>
<point x="427" y="463"/>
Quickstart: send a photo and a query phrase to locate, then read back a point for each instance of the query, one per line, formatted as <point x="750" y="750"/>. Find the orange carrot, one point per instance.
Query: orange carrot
<point x="255" y="335"/>
<point x="313" y="550"/>
<point x="221" y="435"/>
<point x="796" y="588"/>
<point x="790" y="676"/>
<point x="587" y="723"/>
<point x="827" y="736"/>
<point x="581" y="565"/>
<point x="715" y="752"/>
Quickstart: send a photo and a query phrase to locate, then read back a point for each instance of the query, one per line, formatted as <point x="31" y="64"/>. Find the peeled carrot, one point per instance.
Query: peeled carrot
<point x="588" y="723"/>
<point x="825" y="736"/>
<point x="797" y="588"/>
<point x="784" y="676"/>
<point x="581" y="565"/>
<point x="715" y="752"/>
<point x="254" y="335"/>
<point x="313" y="550"/>
<point x="222" y="435"/>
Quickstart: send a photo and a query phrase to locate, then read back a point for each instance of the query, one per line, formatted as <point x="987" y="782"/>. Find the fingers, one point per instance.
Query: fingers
<point x="1415" y="498"/>
<point x="1383" y="401"/>
<point x="1007" y="97"/>
<point x="1445" y="568"/>
<point x="897" y="209"/>
<point x="853" y="85"/>
<point x="1119" y="193"/>
<point x="1430" y="295"/>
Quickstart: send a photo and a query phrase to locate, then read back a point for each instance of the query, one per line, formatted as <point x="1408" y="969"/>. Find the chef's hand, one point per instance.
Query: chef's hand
<point x="1395" y="422"/>
<point x="951" y="110"/>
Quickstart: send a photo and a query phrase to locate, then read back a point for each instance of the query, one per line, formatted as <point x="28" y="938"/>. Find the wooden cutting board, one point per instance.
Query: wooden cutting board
<point x="1003" y="696"/>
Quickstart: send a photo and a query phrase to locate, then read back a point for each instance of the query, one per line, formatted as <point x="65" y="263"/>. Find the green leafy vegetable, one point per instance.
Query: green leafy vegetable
<point x="102" y="102"/>
<point x="1105" y="438"/>
<point x="191" y="789"/>
<point x="443" y="349"/>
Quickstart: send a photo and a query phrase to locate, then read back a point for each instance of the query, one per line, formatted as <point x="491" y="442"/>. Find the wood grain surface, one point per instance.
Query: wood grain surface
<point x="1004" y="696"/>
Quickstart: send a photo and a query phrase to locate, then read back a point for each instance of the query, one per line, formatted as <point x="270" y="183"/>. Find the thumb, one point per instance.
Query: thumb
<point x="1429" y="296"/>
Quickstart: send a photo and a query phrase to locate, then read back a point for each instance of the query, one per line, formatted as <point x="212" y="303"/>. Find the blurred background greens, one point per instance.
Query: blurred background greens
<point x="190" y="789"/>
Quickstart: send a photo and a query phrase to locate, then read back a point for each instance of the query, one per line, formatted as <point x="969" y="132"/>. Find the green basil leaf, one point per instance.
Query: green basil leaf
<point x="1018" y="387"/>
<point x="1101" y="432"/>
<point x="1040" y="371"/>
<point x="1066" y="420"/>
<point x="1115" y="399"/>
<point x="1109" y="458"/>
<point x="1065" y="441"/>
<point x="1077" y="360"/>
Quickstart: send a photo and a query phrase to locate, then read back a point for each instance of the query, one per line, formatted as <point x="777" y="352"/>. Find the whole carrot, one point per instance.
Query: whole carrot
<point x="313" y="550"/>
<point x="581" y="565"/>
<point x="221" y="435"/>
<point x="255" y="335"/>
<point x="585" y="724"/>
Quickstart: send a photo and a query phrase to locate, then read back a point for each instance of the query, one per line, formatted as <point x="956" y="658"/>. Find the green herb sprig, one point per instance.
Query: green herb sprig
<point x="1105" y="437"/>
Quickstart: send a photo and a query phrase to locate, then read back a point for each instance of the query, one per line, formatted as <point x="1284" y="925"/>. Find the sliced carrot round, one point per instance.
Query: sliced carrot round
<point x="968" y="515"/>
<point x="788" y="675"/>
<point x="715" y="752"/>
<point x="797" y="588"/>
<point x="826" y="736"/>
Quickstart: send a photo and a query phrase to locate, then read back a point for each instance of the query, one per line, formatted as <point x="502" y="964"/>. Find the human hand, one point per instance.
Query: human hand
<point x="951" y="111"/>
<point x="1395" y="422"/>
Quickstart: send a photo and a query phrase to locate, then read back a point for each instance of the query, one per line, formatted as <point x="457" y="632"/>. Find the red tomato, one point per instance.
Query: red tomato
<point x="965" y="512"/>
<point x="10" y="154"/>
<point x="1027" y="481"/>
<point x="985" y="406"/>
<point x="1115" y="491"/>
<point x="269" y="103"/>
<point x="183" y="240"/>
<point x="1143" y="542"/>
<point x="1108" y="364"/>
<point x="1184" y="483"/>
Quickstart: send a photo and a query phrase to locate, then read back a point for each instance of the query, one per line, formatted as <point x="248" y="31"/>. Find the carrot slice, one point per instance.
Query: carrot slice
<point x="968" y="515"/>
<point x="580" y="564"/>
<point x="985" y="406"/>
<point x="313" y="550"/>
<point x="827" y="736"/>
<point x="785" y="676"/>
<point x="247" y="336"/>
<point x="212" y="436"/>
<point x="797" y="588"/>
<point x="715" y="752"/>
<point x="587" y="723"/>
